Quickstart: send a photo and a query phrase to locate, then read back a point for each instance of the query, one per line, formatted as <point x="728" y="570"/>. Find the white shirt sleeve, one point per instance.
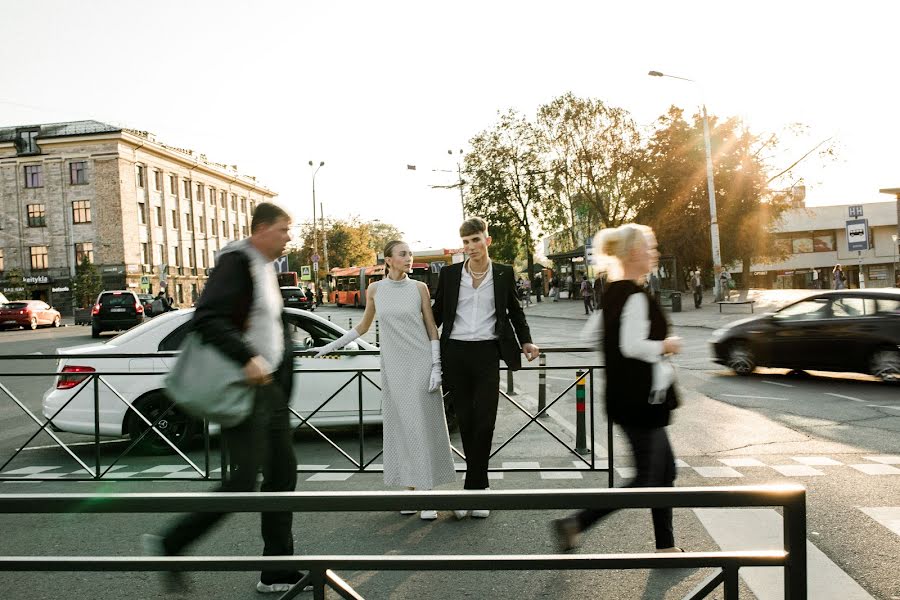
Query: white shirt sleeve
<point x="635" y="330"/>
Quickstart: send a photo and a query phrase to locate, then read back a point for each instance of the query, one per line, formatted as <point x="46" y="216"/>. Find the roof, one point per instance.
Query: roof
<point x="812" y="218"/>
<point x="49" y="130"/>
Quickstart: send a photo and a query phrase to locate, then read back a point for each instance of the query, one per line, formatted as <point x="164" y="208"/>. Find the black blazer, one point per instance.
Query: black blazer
<point x="511" y="322"/>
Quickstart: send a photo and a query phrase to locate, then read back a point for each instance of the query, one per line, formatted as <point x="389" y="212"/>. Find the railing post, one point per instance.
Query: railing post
<point x="580" y="421"/>
<point x="510" y="388"/>
<point x="349" y="322"/>
<point x="795" y="546"/>
<point x="329" y="317"/>
<point x="542" y="385"/>
<point x="317" y="579"/>
<point x="362" y="434"/>
<point x="377" y="334"/>
<point x="97" y="426"/>
<point x="732" y="589"/>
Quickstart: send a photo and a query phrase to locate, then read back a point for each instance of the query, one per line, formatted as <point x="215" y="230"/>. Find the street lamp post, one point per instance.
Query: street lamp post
<point x="894" y="238"/>
<point x="711" y="190"/>
<point x="462" y="200"/>
<point x="315" y="231"/>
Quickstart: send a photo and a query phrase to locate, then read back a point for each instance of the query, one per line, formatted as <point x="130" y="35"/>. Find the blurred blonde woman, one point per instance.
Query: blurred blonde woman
<point x="416" y="441"/>
<point x="640" y="391"/>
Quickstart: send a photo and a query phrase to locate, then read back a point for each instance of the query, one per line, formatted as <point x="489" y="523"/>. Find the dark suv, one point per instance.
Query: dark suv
<point x="296" y="297"/>
<point x="116" y="310"/>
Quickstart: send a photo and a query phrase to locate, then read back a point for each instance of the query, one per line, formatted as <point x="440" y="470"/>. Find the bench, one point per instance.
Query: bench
<point x="731" y="302"/>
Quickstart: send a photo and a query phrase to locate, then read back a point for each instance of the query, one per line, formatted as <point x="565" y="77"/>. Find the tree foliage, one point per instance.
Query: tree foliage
<point x="87" y="284"/>
<point x="351" y="242"/>
<point x="15" y="283"/>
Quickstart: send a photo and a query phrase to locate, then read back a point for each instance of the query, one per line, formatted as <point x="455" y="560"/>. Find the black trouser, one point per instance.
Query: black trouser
<point x="698" y="296"/>
<point x="588" y="306"/>
<point x="263" y="441"/>
<point x="472" y="376"/>
<point x="655" y="464"/>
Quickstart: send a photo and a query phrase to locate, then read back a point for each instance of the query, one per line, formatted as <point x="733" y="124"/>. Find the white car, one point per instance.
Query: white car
<point x="70" y="402"/>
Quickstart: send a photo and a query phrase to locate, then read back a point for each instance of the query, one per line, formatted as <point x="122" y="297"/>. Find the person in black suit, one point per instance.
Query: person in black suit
<point x="482" y="320"/>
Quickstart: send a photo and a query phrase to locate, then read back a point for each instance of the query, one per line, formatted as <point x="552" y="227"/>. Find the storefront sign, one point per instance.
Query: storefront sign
<point x="37" y="279"/>
<point x="59" y="289"/>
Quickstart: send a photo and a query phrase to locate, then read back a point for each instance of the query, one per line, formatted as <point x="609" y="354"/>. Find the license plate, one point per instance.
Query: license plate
<point x="294" y="298"/>
<point x="117" y="310"/>
<point x="9" y="322"/>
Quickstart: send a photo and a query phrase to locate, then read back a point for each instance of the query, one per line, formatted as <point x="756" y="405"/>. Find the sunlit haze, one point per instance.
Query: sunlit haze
<point x="371" y="87"/>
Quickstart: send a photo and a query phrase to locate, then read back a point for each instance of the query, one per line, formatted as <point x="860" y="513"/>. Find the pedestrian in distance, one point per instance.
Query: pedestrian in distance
<point x="538" y="286"/>
<point x="697" y="287"/>
<point x="640" y="392"/>
<point x="838" y="281"/>
<point x="240" y="313"/>
<point x="653" y="286"/>
<point x="416" y="442"/>
<point x="159" y="304"/>
<point x="526" y="292"/>
<point x="476" y="303"/>
<point x="554" y="288"/>
<point x="587" y="294"/>
<point x="319" y="296"/>
<point x="570" y="286"/>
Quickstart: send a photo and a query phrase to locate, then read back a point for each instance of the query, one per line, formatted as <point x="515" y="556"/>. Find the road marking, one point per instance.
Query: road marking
<point x="566" y="424"/>
<point x="51" y="446"/>
<point x="877" y="469"/>
<point x="819" y="461"/>
<point x="884" y="459"/>
<point x="166" y="469"/>
<point x="521" y="465"/>
<point x="844" y="397"/>
<point x="889" y="516"/>
<point x="717" y="472"/>
<point x="797" y="470"/>
<point x="776" y="383"/>
<point x="29" y="470"/>
<point x="882" y="406"/>
<point x="561" y="475"/>
<point x="627" y="472"/>
<point x="742" y="462"/>
<point x="330" y="477"/>
<point x="753" y="397"/>
<point x="761" y="528"/>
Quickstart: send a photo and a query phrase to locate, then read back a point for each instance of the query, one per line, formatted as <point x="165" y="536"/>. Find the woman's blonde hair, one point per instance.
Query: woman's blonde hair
<point x="612" y="246"/>
<point x="389" y="253"/>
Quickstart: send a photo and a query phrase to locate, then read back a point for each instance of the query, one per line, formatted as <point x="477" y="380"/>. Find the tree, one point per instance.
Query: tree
<point x="595" y="155"/>
<point x="15" y="283"/>
<point x="382" y="233"/>
<point x="87" y="284"/>
<point x="508" y="183"/>
<point x="350" y="243"/>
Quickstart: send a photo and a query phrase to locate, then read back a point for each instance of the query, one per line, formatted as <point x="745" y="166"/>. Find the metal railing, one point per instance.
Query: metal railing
<point x="791" y="557"/>
<point x="582" y="383"/>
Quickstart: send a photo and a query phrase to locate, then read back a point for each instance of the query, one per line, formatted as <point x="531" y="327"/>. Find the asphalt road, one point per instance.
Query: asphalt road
<point x="835" y="434"/>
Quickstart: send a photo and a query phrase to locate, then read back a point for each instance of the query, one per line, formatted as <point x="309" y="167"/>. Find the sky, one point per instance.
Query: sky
<point x="371" y="87"/>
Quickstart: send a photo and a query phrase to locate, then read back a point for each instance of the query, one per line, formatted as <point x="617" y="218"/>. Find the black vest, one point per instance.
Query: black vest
<point x="628" y="380"/>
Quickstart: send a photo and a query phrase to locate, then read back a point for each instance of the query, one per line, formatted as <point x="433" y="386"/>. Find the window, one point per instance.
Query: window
<point x="179" y="293"/>
<point x="173" y="341"/>
<point x="222" y="199"/>
<point x="140" y="176"/>
<point x="26" y="142"/>
<point x="2" y="261"/>
<point x="234" y="202"/>
<point x="212" y="196"/>
<point x="187" y="189"/>
<point x="157" y="180"/>
<point x="145" y="253"/>
<point x="823" y="241"/>
<point x="142" y="213"/>
<point x="224" y="230"/>
<point x="852" y="307"/>
<point x="199" y="195"/>
<point x="174" y="219"/>
<point x="212" y="227"/>
<point x="804" y="310"/>
<point x="252" y="207"/>
<point x="245" y="231"/>
<point x="190" y="255"/>
<point x="173" y="185"/>
<point x="236" y="235"/>
<point x="174" y="256"/>
<point x="81" y="211"/>
<point x="161" y="253"/>
<point x="82" y="251"/>
<point x="244" y="205"/>
<point x="188" y="222"/>
<point x="203" y="262"/>
<point x="202" y="223"/>
<point x="78" y="172"/>
<point x="38" y="258"/>
<point x="159" y="220"/>
<point x="36" y="215"/>
<point x="802" y="245"/>
<point x="34" y="176"/>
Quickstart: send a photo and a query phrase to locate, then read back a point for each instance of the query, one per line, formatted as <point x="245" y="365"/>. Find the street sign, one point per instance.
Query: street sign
<point x="281" y="264"/>
<point x="855" y="210"/>
<point x="305" y="273"/>
<point x="858" y="234"/>
<point x="315" y="266"/>
<point x="145" y="283"/>
<point x="315" y="258"/>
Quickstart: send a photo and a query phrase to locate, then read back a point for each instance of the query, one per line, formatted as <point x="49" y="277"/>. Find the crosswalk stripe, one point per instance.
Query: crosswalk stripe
<point x="889" y="516"/>
<point x="761" y="528"/>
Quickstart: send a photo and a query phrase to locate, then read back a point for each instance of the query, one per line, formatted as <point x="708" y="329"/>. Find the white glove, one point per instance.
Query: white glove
<point x="337" y="344"/>
<point x="435" y="381"/>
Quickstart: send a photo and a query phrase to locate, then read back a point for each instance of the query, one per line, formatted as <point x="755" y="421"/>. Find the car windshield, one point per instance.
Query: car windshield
<point x="162" y="320"/>
<point x="289" y="292"/>
<point x="815" y="308"/>
<point x="14" y="306"/>
<point x="117" y="300"/>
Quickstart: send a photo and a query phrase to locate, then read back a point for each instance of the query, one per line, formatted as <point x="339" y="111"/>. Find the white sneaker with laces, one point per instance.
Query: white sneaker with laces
<point x="428" y="515"/>
<point x="481" y="514"/>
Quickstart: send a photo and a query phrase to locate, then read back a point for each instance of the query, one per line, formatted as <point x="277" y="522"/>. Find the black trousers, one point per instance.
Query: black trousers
<point x="698" y="297"/>
<point x="655" y="465"/>
<point x="472" y="376"/>
<point x="263" y="441"/>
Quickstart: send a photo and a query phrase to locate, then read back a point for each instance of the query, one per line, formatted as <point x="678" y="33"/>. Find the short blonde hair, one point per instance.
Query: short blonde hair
<point x="473" y="226"/>
<point x="615" y="243"/>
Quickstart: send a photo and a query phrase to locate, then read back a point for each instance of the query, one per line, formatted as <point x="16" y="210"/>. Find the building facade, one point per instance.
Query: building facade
<point x="815" y="240"/>
<point x="149" y="215"/>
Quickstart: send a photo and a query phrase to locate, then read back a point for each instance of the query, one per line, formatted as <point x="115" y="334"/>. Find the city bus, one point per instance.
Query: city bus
<point x="348" y="285"/>
<point x="288" y="278"/>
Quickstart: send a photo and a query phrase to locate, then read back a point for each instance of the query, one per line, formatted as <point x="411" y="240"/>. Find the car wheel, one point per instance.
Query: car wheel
<point x="56" y="321"/>
<point x="885" y="364"/>
<point x="33" y="323"/>
<point x="174" y="424"/>
<point x="741" y="359"/>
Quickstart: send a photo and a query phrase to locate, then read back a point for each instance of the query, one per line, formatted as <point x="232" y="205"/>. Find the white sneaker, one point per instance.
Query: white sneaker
<point x="268" y="588"/>
<point x="481" y="514"/>
<point x="407" y="512"/>
<point x="428" y="515"/>
<point x="461" y="514"/>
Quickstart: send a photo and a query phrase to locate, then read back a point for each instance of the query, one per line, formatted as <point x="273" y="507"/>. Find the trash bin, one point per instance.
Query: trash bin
<point x="675" y="297"/>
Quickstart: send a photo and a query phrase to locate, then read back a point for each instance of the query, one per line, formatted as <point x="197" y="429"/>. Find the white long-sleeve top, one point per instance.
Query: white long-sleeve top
<point x="634" y="342"/>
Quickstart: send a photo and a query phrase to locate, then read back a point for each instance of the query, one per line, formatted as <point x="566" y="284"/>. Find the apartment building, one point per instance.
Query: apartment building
<point x="149" y="215"/>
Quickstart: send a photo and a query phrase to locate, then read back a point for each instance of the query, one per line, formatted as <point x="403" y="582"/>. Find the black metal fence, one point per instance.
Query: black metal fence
<point x="791" y="557"/>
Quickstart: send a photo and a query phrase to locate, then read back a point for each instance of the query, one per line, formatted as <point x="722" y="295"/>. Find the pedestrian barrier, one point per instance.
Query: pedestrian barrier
<point x="322" y="569"/>
<point x="360" y="377"/>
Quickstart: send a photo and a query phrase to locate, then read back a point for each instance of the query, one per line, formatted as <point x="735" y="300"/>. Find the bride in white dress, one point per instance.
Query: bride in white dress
<point x="416" y="443"/>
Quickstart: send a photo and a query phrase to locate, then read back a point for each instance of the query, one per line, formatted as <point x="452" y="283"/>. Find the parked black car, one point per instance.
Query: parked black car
<point x="116" y="310"/>
<point x="842" y="330"/>
<point x="296" y="297"/>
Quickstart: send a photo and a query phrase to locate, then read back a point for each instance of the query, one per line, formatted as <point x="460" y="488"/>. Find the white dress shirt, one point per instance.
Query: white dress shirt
<point x="476" y="313"/>
<point x="633" y="342"/>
